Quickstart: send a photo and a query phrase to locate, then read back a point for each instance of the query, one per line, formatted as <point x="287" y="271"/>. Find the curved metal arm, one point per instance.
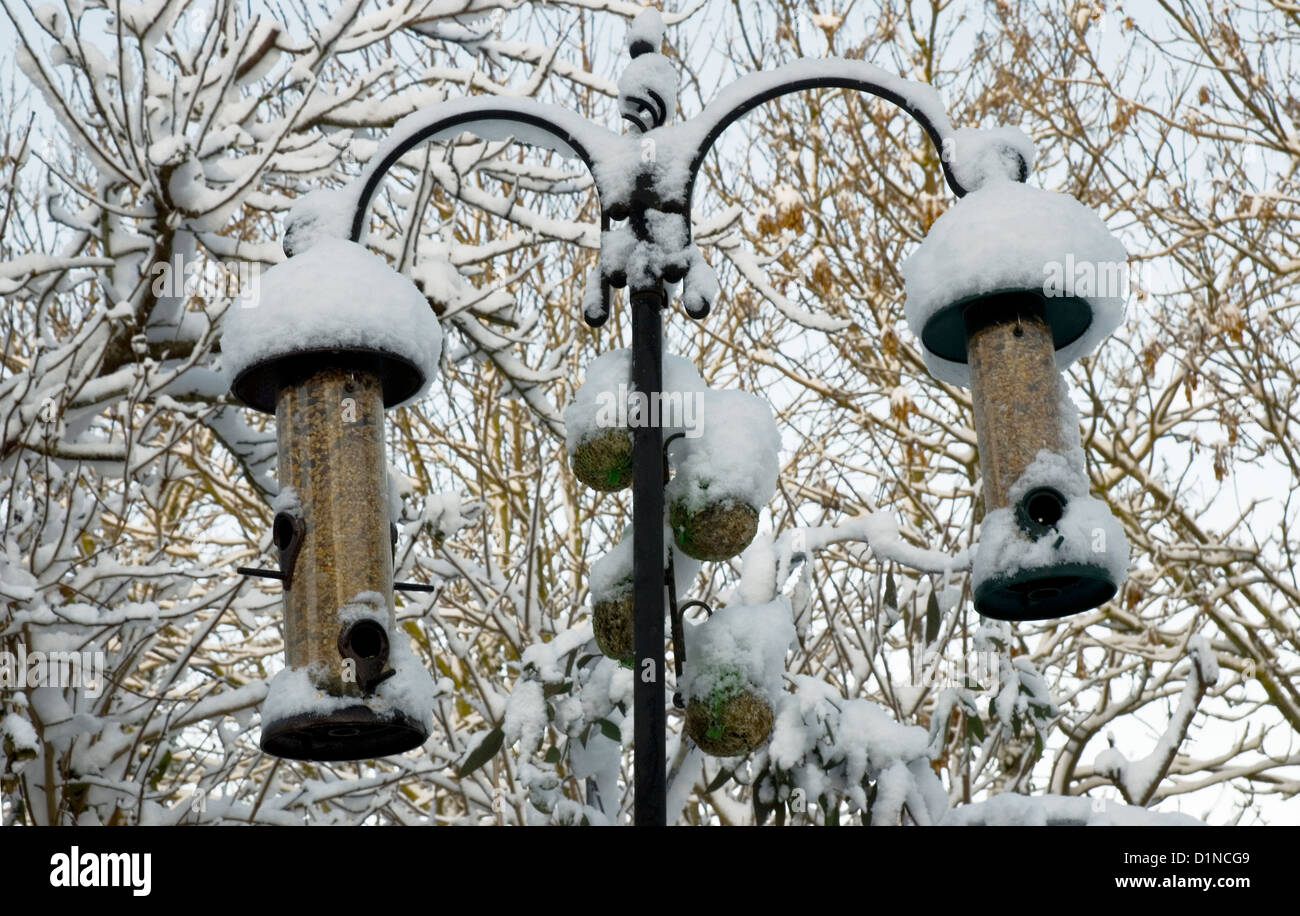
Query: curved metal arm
<point x="547" y="126"/>
<point x="917" y="99"/>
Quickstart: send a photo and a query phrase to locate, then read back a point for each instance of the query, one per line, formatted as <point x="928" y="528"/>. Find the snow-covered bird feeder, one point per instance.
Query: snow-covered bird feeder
<point x="1009" y="287"/>
<point x="612" y="580"/>
<point x="735" y="665"/>
<point x="724" y="476"/>
<point x="598" y="422"/>
<point x="333" y="338"/>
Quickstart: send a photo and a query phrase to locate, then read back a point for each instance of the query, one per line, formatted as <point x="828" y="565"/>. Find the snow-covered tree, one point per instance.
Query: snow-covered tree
<point x="146" y="137"/>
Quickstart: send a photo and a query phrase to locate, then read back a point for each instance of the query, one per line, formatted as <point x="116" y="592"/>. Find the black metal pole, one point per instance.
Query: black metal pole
<point x="649" y="718"/>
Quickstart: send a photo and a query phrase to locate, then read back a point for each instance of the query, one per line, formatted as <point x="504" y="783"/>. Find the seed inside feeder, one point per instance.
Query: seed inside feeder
<point x="603" y="460"/>
<point x="611" y="619"/>
<point x="719" y="531"/>
<point x="729" y="724"/>
<point x="1014" y="383"/>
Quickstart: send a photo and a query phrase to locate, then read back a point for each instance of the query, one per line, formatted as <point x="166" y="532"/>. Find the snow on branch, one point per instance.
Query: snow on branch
<point x="1011" y="810"/>
<point x="1137" y="779"/>
<point x="768" y="562"/>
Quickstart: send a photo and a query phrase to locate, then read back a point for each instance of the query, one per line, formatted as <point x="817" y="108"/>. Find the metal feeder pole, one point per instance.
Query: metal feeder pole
<point x="649" y="716"/>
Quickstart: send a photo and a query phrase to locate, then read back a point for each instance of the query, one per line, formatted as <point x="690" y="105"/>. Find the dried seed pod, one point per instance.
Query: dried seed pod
<point x="718" y="531"/>
<point x="603" y="461"/>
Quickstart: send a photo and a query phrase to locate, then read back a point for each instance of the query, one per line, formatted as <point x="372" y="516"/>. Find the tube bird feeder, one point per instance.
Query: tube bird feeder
<point x="1010" y="286"/>
<point x="334" y="337"/>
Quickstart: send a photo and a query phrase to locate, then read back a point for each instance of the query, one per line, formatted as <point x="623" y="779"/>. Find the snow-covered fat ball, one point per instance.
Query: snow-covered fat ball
<point x="596" y="423"/>
<point x="724" y="477"/>
<point x="603" y="460"/>
<point x="1011" y="237"/>
<point x="612" y="624"/>
<point x="336" y="295"/>
<point x="735" y="661"/>
<point x="612" y="582"/>
<point x="611" y="601"/>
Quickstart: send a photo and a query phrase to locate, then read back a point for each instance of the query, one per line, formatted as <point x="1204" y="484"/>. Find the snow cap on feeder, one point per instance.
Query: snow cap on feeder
<point x="1009" y="287"/>
<point x="333" y="337"/>
<point x="332" y="303"/>
<point x="1007" y="247"/>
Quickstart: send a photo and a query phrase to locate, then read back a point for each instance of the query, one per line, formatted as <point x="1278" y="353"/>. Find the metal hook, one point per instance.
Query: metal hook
<point x="674" y="614"/>
<point x="693" y="604"/>
<point x="679" y="636"/>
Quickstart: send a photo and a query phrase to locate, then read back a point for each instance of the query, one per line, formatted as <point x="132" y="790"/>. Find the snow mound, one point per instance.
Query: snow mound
<point x="335" y="295"/>
<point x="646" y="29"/>
<point x="410" y="691"/>
<point x="610" y="576"/>
<point x="1009" y="236"/>
<point x="737" y="456"/>
<point x="1010" y="810"/>
<point x="739" y="645"/>
<point x="321" y="214"/>
<point x="830" y="744"/>
<point x="20" y="734"/>
<point x="980" y="157"/>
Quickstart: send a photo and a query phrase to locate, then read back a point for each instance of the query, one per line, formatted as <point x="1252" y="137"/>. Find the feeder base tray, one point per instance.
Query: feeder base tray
<point x="353" y="733"/>
<point x="1042" y="594"/>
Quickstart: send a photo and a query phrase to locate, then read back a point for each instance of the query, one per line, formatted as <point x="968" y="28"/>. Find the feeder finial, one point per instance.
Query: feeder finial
<point x="984" y="157"/>
<point x="647" y="90"/>
<point x="646" y="33"/>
